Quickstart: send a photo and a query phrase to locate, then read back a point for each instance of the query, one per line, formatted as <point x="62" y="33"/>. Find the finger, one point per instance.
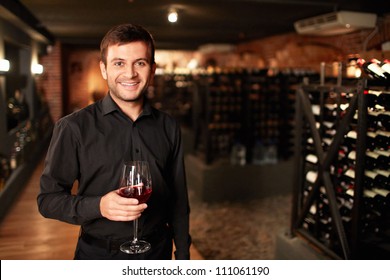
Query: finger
<point x="123" y="210"/>
<point x="123" y="216"/>
<point x="126" y="201"/>
<point x="137" y="207"/>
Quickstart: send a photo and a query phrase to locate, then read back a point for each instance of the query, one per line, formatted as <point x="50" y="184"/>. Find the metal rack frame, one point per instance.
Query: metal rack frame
<point x="350" y="246"/>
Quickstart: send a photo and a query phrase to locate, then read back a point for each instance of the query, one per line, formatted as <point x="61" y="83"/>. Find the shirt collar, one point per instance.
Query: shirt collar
<point x="109" y="106"/>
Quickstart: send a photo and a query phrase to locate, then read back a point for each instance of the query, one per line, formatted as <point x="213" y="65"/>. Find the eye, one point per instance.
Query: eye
<point x="140" y="63"/>
<point x="118" y="63"/>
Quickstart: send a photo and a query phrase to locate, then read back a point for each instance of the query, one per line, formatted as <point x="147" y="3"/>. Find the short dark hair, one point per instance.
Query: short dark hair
<point x="126" y="33"/>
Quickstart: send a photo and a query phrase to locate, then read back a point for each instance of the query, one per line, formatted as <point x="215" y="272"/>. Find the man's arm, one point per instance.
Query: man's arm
<point x="60" y="172"/>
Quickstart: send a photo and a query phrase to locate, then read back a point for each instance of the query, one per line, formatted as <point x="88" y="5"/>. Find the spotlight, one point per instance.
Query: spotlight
<point x="37" y="69"/>
<point x="4" y="65"/>
<point x="172" y="16"/>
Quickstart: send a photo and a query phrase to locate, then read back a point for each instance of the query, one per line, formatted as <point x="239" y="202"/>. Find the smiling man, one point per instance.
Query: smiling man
<point x="91" y="145"/>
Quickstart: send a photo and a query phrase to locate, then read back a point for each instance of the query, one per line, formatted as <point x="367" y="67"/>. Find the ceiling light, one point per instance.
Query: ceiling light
<point x="4" y="65"/>
<point x="37" y="69"/>
<point x="192" y="64"/>
<point x="172" y="15"/>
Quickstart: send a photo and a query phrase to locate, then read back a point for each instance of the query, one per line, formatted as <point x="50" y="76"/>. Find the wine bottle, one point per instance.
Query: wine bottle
<point x="371" y="226"/>
<point x="345" y="211"/>
<point x="5" y="171"/>
<point x="323" y="205"/>
<point x="316" y="109"/>
<point x="350" y="139"/>
<point x="372" y="69"/>
<point x="382" y="179"/>
<point x="309" y="222"/>
<point x="374" y="203"/>
<point x="326" y="142"/>
<point x="312" y="159"/>
<point x="324" y="224"/>
<point x="347" y="180"/>
<point x="258" y="153"/>
<point x="372" y="120"/>
<point x="384" y="100"/>
<point x="330" y="112"/>
<point x="382" y="139"/>
<point x="367" y="202"/>
<point x="372" y="97"/>
<point x="371" y="160"/>
<point x="371" y="140"/>
<point x="272" y="152"/>
<point x="369" y="179"/>
<point x="16" y="157"/>
<point x="382" y="159"/>
<point x="383" y="120"/>
<point x="342" y="163"/>
<point x="309" y="145"/>
<point x="352" y="157"/>
<point x="386" y="196"/>
<point x="311" y="176"/>
<point x="346" y="202"/>
<point x="324" y="227"/>
<point x="385" y="65"/>
<point x="238" y="154"/>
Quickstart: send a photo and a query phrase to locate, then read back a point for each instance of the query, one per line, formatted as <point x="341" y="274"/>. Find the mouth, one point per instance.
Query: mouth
<point x="129" y="84"/>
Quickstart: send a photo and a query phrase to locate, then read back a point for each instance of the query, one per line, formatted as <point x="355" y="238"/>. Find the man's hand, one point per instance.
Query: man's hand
<point x="117" y="208"/>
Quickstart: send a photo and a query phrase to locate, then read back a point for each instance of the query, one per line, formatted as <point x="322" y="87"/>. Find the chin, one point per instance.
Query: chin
<point x="134" y="99"/>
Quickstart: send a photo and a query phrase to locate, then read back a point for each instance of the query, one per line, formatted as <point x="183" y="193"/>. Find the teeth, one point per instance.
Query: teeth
<point x="129" y="84"/>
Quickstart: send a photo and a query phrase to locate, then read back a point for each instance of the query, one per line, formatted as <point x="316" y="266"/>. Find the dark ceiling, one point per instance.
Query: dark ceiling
<point x="200" y="21"/>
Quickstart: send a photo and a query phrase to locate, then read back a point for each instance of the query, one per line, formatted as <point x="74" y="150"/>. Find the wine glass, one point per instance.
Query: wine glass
<point x="136" y="182"/>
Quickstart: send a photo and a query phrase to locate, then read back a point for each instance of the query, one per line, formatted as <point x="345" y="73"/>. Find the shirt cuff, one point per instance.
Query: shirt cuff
<point x="91" y="207"/>
<point x="182" y="255"/>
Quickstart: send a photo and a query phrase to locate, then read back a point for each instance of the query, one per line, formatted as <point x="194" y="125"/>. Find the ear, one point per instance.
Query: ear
<point x="153" y="70"/>
<point x="103" y="70"/>
<point x="154" y="66"/>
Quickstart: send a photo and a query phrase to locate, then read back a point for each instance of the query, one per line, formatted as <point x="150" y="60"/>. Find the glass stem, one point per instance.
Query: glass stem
<point x="135" y="227"/>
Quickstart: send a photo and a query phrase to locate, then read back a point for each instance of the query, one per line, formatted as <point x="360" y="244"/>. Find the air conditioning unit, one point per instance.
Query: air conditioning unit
<point x="335" y="23"/>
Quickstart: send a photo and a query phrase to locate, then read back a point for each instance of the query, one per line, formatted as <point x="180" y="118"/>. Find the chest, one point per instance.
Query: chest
<point x="110" y="142"/>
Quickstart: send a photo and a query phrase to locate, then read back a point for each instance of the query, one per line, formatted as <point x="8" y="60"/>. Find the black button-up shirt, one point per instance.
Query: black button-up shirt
<point x="90" y="146"/>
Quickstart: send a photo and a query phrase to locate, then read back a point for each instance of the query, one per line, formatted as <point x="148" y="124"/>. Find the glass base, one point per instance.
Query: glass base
<point x="135" y="247"/>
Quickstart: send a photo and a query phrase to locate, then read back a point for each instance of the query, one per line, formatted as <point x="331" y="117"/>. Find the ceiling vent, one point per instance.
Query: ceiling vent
<point x="336" y="23"/>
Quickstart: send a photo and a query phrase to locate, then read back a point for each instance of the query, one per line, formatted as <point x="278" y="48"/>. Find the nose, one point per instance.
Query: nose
<point x="131" y="71"/>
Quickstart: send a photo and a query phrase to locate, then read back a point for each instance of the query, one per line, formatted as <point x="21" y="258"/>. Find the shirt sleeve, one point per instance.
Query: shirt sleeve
<point x="55" y="199"/>
<point x="181" y="208"/>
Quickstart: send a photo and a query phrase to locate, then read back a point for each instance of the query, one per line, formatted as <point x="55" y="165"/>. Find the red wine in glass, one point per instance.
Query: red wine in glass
<point x="138" y="192"/>
<point x="136" y="182"/>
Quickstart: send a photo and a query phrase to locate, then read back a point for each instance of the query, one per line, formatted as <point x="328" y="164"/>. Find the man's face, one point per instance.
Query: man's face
<point x="128" y="71"/>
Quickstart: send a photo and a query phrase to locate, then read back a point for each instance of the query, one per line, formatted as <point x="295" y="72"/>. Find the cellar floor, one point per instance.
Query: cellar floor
<point x="244" y="230"/>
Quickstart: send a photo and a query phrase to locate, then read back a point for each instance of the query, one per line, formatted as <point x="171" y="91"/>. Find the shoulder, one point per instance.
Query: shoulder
<point x="163" y="116"/>
<point x="80" y="117"/>
<point x="165" y="119"/>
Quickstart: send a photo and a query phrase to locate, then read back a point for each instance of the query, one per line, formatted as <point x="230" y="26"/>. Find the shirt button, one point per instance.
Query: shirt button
<point x="137" y="151"/>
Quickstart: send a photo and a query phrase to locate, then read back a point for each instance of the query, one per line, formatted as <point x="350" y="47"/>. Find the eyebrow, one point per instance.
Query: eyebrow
<point x="138" y="59"/>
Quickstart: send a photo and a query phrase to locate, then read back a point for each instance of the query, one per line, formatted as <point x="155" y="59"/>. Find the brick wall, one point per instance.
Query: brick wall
<point x="297" y="51"/>
<point x="85" y="82"/>
<point x="50" y="83"/>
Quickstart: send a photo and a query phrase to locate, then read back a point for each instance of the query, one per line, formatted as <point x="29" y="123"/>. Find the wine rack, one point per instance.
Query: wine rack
<point x="342" y="193"/>
<point x="173" y="94"/>
<point x="20" y="150"/>
<point x="246" y="108"/>
<point x="219" y="110"/>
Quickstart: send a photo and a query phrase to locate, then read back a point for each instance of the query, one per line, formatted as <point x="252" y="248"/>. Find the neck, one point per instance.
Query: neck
<point x="132" y="109"/>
